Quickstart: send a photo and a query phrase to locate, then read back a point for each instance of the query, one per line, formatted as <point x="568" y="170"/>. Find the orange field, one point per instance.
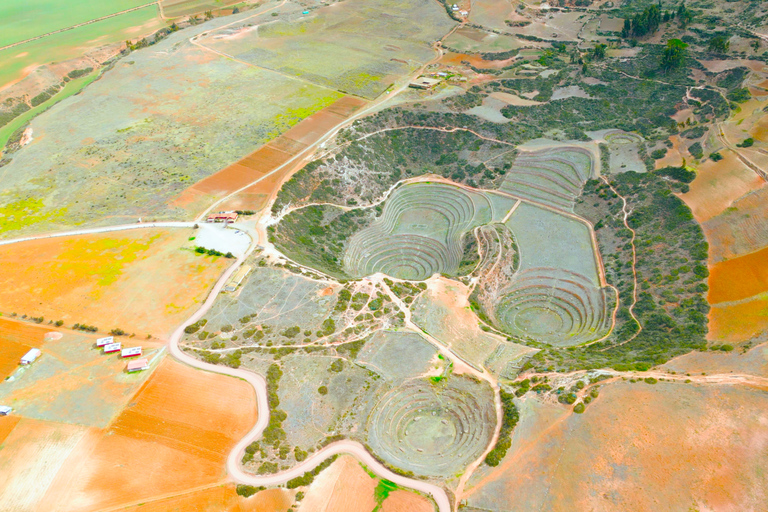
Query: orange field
<point x="32" y="453"/>
<point x="405" y="501"/>
<point x="267" y="158"/>
<point x="172" y="438"/>
<point x="219" y="498"/>
<point x="343" y="487"/>
<point x="638" y="447"/>
<point x="346" y="487"/>
<point x="16" y="338"/>
<point x="739" y="278"/>
<point x="141" y="281"/>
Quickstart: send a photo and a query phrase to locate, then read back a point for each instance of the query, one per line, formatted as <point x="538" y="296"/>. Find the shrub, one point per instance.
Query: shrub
<point x="247" y="491"/>
<point x="323" y="390"/>
<point x="696" y="150"/>
<point x="746" y="143"/>
<point x="579" y="408"/>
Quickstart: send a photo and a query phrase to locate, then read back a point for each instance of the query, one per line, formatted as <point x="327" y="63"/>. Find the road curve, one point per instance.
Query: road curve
<point x="260" y="385"/>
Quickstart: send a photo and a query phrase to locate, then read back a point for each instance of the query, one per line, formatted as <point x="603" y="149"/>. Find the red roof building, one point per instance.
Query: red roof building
<point x="223" y="217"/>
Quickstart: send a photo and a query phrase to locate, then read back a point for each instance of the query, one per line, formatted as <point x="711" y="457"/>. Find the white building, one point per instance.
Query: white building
<point x="105" y="341"/>
<point x="5" y="410"/>
<point x="30" y="356"/>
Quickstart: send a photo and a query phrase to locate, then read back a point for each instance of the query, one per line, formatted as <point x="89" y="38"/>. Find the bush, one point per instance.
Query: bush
<point x="246" y="491"/>
<point x="715" y="157"/>
<point x="579" y="408"/>
<point x="659" y="153"/>
<point x="746" y="143"/>
<point x="323" y="390"/>
<point x="508" y="422"/>
<point x="696" y="150"/>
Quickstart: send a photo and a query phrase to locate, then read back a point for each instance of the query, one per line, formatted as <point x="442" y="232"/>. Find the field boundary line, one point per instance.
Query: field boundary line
<point x="78" y="25"/>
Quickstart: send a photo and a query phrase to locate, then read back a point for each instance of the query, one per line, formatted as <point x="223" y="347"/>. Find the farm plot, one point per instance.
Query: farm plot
<point x="470" y="39"/>
<point x="89" y="40"/>
<point x="73" y="382"/>
<point x="742" y="228"/>
<point x="348" y="47"/>
<point x="16" y="338"/>
<point x="144" y="281"/>
<point x="265" y="160"/>
<point x="718" y="185"/>
<point x="419" y="233"/>
<point x="551" y="177"/>
<point x="346" y="486"/>
<point x="178" y="8"/>
<point x="144" y="132"/>
<point x="556" y="295"/>
<point x="175" y="436"/>
<point x="219" y="498"/>
<point x="634" y="457"/>
<point x="397" y="355"/>
<point x="433" y="429"/>
<point x="32" y="453"/>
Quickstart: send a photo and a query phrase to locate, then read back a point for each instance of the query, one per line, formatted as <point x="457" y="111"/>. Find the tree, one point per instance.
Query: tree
<point x="684" y="15"/>
<point x="208" y="15"/>
<point x="674" y="54"/>
<point x="598" y="52"/>
<point x="719" y="44"/>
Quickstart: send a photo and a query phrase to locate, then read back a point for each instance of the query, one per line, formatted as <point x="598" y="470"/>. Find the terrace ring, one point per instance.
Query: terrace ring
<point x="430" y="431"/>
<point x="552" y="306"/>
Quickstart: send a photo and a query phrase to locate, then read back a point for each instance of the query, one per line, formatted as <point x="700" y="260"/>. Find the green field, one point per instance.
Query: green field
<point x="177" y="8"/>
<point x="72" y="87"/>
<point x="75" y="43"/>
<point x="31" y="18"/>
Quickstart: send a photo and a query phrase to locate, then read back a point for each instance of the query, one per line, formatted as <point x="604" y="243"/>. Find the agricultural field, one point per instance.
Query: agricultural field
<point x="346" y="46"/>
<point x="154" y="276"/>
<point x="181" y="423"/>
<point x="178" y="8"/>
<point x="630" y="449"/>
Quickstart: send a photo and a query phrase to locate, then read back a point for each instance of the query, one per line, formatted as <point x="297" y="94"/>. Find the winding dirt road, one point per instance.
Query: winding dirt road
<point x="260" y="386"/>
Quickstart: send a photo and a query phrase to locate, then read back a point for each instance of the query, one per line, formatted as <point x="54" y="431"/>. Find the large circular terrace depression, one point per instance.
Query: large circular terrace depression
<point x="431" y="430"/>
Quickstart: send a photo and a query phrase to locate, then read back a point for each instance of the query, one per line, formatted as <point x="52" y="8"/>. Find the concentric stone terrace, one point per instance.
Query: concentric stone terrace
<point x="432" y="430"/>
<point x="552" y="306"/>
<point x="419" y="233"/>
<point x="552" y="177"/>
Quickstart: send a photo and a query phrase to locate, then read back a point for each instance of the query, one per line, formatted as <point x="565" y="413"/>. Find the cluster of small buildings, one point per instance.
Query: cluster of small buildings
<point x="463" y="14"/>
<point x="222" y="217"/>
<point x="110" y="346"/>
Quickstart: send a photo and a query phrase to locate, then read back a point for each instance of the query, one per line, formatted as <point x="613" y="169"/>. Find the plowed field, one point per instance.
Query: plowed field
<point x="220" y="498"/>
<point x="343" y="487"/>
<point x="16" y="338"/>
<point x="173" y="436"/>
<point x="739" y="278"/>
<point x="638" y="447"/>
